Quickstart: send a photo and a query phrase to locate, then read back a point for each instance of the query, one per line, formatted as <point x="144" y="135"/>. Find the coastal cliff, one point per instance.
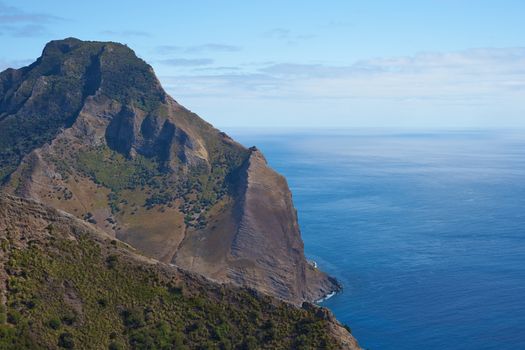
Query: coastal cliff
<point x="88" y="129"/>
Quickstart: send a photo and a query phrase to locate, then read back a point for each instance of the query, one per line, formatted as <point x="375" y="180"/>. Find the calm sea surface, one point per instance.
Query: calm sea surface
<point x="426" y="230"/>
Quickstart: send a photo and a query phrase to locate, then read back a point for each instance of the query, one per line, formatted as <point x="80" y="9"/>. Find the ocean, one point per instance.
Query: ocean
<point x="425" y="230"/>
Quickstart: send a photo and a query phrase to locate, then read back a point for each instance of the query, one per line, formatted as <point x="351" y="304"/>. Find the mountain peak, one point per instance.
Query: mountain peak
<point x="66" y="45"/>
<point x="63" y="45"/>
<point x="89" y="130"/>
<point x="122" y="75"/>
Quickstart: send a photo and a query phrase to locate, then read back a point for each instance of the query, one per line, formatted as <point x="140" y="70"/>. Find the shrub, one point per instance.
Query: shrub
<point x="54" y="323"/>
<point x="347" y="328"/>
<point x="66" y="341"/>
<point x="133" y="318"/>
<point x="3" y="315"/>
<point x="13" y="317"/>
<point x="250" y="343"/>
<point x="116" y="345"/>
<point x="111" y="261"/>
<point x="69" y="319"/>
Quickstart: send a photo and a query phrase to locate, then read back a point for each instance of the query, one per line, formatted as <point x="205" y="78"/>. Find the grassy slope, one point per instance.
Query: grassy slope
<point x="71" y="287"/>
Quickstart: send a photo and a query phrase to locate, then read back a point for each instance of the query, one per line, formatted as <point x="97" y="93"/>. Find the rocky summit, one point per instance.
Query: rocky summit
<point x="87" y="129"/>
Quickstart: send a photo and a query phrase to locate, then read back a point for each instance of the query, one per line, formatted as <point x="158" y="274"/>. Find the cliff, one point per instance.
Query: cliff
<point x="88" y="129"/>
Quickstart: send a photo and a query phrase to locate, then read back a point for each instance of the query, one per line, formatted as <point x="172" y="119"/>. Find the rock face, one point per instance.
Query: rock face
<point x="89" y="130"/>
<point x="66" y="284"/>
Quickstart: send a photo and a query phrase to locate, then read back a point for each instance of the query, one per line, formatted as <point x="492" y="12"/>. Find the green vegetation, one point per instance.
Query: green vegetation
<point x="130" y="80"/>
<point x="198" y="189"/>
<point x="114" y="171"/>
<point x="84" y="294"/>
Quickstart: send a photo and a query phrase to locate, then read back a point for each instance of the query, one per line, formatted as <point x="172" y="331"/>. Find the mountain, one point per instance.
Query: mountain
<point x="66" y="284"/>
<point x="88" y="129"/>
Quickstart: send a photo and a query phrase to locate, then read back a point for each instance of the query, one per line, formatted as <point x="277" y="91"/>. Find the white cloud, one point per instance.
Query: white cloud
<point x="19" y="23"/>
<point x="286" y="35"/>
<point x="4" y="64"/>
<point x="469" y="77"/>
<point x="197" y="49"/>
<point x="187" y="62"/>
<point x="126" y="33"/>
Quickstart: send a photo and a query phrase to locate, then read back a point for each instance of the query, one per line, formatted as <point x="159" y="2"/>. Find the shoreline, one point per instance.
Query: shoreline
<point x="338" y="286"/>
<point x="326" y="297"/>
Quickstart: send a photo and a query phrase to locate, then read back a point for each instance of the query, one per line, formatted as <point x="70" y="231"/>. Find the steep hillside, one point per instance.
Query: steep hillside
<point x="66" y="284"/>
<point x="88" y="129"/>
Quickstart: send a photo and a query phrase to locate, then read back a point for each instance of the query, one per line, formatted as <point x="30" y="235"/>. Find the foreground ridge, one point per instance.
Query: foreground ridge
<point x="67" y="284"/>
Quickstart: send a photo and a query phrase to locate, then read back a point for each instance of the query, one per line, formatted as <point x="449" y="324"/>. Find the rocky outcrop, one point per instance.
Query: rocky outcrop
<point x="268" y="233"/>
<point x="255" y="239"/>
<point x="89" y="130"/>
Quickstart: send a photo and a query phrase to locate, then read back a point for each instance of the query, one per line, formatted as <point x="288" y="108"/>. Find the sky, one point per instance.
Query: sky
<point x="306" y="64"/>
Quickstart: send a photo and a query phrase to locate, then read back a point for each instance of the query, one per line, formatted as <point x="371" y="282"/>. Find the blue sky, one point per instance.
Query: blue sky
<point x="421" y="64"/>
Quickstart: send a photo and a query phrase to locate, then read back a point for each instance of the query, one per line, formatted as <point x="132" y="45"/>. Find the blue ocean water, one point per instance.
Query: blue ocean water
<point x="426" y="230"/>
